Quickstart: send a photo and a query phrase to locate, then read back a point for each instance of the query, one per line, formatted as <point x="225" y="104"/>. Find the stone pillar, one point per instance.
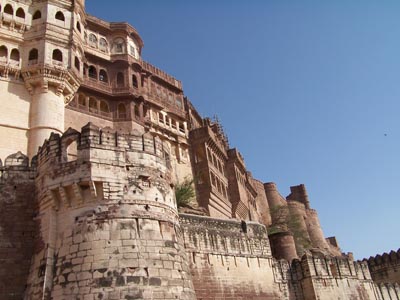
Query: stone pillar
<point x="46" y="116"/>
<point x="141" y="111"/>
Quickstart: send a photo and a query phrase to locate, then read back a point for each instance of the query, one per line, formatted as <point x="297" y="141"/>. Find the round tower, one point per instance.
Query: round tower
<point x="108" y="219"/>
<point x="298" y="216"/>
<point x="283" y="245"/>
<point x="315" y="231"/>
<point x="273" y="196"/>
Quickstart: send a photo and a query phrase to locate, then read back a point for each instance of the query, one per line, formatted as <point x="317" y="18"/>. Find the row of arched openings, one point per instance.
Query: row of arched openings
<point x="95" y="43"/>
<point x="33" y="56"/>
<point x="20" y="12"/>
<point x="100" y="106"/>
<point x="14" y="55"/>
<point x="94" y="105"/>
<point x="103" y="77"/>
<point x="9" y="10"/>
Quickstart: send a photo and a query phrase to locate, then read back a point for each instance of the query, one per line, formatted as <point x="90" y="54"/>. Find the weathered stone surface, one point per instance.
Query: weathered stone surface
<point x="92" y="214"/>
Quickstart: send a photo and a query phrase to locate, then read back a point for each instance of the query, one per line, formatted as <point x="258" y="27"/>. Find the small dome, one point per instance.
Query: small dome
<point x="17" y="160"/>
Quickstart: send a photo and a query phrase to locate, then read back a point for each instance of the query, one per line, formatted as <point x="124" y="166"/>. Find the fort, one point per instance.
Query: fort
<point x="96" y="142"/>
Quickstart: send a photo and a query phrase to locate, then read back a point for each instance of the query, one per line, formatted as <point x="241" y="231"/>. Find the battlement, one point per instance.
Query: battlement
<point x="106" y="166"/>
<point x="230" y="237"/>
<point x="320" y="266"/>
<point x="384" y="259"/>
<point x="80" y="146"/>
<point x="17" y="161"/>
<point x="299" y="193"/>
<point x="385" y="267"/>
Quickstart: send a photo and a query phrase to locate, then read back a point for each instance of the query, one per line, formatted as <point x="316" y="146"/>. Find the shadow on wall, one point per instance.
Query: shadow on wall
<point x="17" y="228"/>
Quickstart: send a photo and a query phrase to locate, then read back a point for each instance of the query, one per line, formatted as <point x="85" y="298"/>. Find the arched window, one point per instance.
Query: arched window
<point x="77" y="64"/>
<point x="134" y="81"/>
<point x="104" y="107"/>
<point x="33" y="56"/>
<point x="20" y="13"/>
<point x="92" y="72"/>
<point x="37" y="15"/>
<point x="103" y="45"/>
<point x="103" y="76"/>
<point x="72" y="151"/>
<point x="78" y="26"/>
<point x="3" y="53"/>
<point x="92" y="40"/>
<point x="57" y="55"/>
<point x="92" y="104"/>
<point x="119" y="46"/>
<point x="120" y="79"/>
<point x="121" y="109"/>
<point x="14" y="55"/>
<point x="8" y="9"/>
<point x="60" y="16"/>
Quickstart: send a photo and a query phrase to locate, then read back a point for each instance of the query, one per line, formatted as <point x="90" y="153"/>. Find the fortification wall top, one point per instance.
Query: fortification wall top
<point x="329" y="267"/>
<point x="230" y="237"/>
<point x="109" y="168"/>
<point x="299" y="193"/>
<point x="91" y="139"/>
<point x="391" y="258"/>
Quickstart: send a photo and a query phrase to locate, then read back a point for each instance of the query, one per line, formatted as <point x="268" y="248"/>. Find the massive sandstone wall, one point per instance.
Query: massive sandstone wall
<point x="17" y="226"/>
<point x="108" y="228"/>
<point x="385" y="268"/>
<point x="230" y="259"/>
<point x="108" y="220"/>
<point x="325" y="278"/>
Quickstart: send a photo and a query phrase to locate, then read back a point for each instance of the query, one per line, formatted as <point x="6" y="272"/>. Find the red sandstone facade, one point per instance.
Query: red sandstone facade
<point x="91" y="214"/>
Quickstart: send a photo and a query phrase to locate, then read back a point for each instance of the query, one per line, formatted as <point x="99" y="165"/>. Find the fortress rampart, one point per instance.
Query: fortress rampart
<point x="93" y="214"/>
<point x="321" y="277"/>
<point x="17" y="224"/>
<point x="229" y="259"/>
<point x="109" y="224"/>
<point x="385" y="268"/>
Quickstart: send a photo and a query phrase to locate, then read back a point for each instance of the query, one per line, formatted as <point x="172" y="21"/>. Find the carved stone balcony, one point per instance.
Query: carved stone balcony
<point x="99" y="86"/>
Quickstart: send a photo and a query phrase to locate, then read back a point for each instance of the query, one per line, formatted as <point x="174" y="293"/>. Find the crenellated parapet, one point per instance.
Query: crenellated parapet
<point x="104" y="165"/>
<point x="321" y="266"/>
<point x="385" y="267"/>
<point x="108" y="218"/>
<point x="230" y="258"/>
<point x="323" y="277"/>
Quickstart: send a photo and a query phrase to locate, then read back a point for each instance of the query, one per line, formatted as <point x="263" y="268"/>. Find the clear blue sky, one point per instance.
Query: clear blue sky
<point x="308" y="91"/>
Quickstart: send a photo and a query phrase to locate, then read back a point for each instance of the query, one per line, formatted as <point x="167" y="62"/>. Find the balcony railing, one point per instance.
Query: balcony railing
<point x="97" y="85"/>
<point x="156" y="71"/>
